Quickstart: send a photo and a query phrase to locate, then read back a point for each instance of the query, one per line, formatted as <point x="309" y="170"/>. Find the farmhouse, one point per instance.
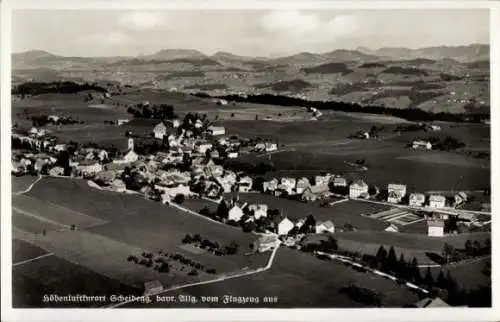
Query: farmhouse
<point x="437" y="201"/>
<point x="236" y="212"/>
<point x="173" y="190"/>
<point x="266" y="242"/>
<point x="324" y="227"/>
<point x="270" y="185"/>
<point x="56" y="171"/>
<point x="53" y="118"/>
<point x="175" y="123"/>
<point x="122" y="121"/>
<point x="203" y="147"/>
<point x="232" y="155"/>
<point x="435" y="128"/>
<point x="281" y="189"/>
<point x="216" y="130"/>
<point x="393" y="197"/>
<point x="160" y="130"/>
<point x="60" y="147"/>
<point x="435" y="228"/>
<point x="258" y="210"/>
<point x="419" y="144"/>
<point x="198" y="124"/>
<point x="285" y="226"/>
<point x="358" y="188"/>
<point x="129" y="156"/>
<point x="339" y="182"/>
<point x="392" y="228"/>
<point x="152" y="288"/>
<point x="417" y="199"/>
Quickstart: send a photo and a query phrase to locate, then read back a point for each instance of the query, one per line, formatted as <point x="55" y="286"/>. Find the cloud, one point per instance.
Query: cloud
<point x="343" y="25"/>
<point x="290" y="21"/>
<point x="142" y="20"/>
<point x="111" y="38"/>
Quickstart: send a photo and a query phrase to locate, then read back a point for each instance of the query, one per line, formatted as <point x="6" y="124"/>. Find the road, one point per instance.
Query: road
<point x="449" y="211"/>
<point x="219" y="279"/>
<point x="29" y="187"/>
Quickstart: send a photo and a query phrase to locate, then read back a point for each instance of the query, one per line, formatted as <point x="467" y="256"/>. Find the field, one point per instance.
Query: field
<point x="111" y="226"/>
<point x="299" y="280"/>
<point x="342" y="213"/>
<point x="20" y="184"/>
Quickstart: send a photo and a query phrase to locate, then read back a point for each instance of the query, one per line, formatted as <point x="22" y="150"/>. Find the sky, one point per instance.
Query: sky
<point x="242" y="32"/>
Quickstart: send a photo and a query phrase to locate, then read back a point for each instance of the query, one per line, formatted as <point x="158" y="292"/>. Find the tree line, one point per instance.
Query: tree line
<point x="411" y="114"/>
<point x="66" y="87"/>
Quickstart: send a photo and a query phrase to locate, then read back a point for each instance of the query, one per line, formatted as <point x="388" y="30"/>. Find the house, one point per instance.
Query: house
<point x="203" y="147"/>
<point x="102" y="155"/>
<point x="270" y="185"/>
<point x="53" y="118"/>
<point x="152" y="288"/>
<point x="122" y="121"/>
<point x="129" y="156"/>
<point x="324" y="227"/>
<point x="285" y="226"/>
<point x="216" y="130"/>
<point x="269" y="147"/>
<point x="430" y="303"/>
<point x="118" y="185"/>
<point x="261" y="146"/>
<point x="175" y="123"/>
<point x="358" y="188"/>
<point x="198" y="124"/>
<point x="312" y="193"/>
<point x="300" y="223"/>
<point x="302" y="184"/>
<point x="281" y="189"/>
<point x="437" y="201"/>
<point x="460" y="198"/>
<point x="232" y="155"/>
<point x="435" y="228"/>
<point x="258" y="210"/>
<point x="56" y="171"/>
<point x="160" y="130"/>
<point x="173" y="190"/>
<point x="393" y="197"/>
<point x="236" y="212"/>
<point x="399" y="189"/>
<point x="59" y="147"/>
<point x="39" y="163"/>
<point x="392" y="228"/>
<point x="214" y="154"/>
<point x="339" y="182"/>
<point x="417" y="199"/>
<point x="266" y="242"/>
<point x="289" y="182"/>
<point x="245" y="184"/>
<point x="435" y="128"/>
<point x="322" y="180"/>
<point x="420" y="144"/>
<point x="89" y="167"/>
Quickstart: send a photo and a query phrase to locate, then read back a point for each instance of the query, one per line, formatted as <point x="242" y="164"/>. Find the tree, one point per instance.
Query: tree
<point x="391" y="261"/>
<point x="223" y="210"/>
<point x="468" y="247"/>
<point x="416" y="278"/>
<point x="381" y="256"/>
<point x="441" y="280"/>
<point x="179" y="198"/>
<point x="401" y="266"/>
<point x="447" y="252"/>
<point x="428" y="279"/>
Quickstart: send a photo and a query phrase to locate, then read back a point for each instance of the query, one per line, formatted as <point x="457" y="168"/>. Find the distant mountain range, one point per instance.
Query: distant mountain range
<point x="461" y="54"/>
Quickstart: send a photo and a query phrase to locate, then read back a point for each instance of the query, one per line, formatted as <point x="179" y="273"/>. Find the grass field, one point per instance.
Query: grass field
<point x="301" y="280"/>
<point x="54" y="275"/>
<point x="22" y="251"/>
<point x="20" y="184"/>
<point x="125" y="225"/>
<point x="340" y="214"/>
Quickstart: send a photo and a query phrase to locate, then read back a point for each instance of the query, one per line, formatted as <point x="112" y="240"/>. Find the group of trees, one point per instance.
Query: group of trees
<point x="448" y="144"/>
<point x="43" y="120"/>
<point x="471" y="249"/>
<point x="189" y="262"/>
<point x="210" y="246"/>
<point x="157" y="112"/>
<point x="159" y="264"/>
<point x="67" y="87"/>
<point x="412" y="114"/>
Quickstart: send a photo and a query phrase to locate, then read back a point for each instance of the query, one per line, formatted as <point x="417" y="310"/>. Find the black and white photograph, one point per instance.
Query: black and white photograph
<point x="279" y="158"/>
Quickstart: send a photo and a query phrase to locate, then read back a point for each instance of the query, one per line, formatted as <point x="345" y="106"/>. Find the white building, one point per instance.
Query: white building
<point x="302" y="185"/>
<point x="358" y="188"/>
<point x="216" y="130"/>
<point x="60" y="147"/>
<point x="417" y="199"/>
<point x="435" y="228"/>
<point x="269" y="146"/>
<point x="152" y="288"/>
<point x="160" y="130"/>
<point x="419" y="144"/>
<point x="437" y="201"/>
<point x="396" y="192"/>
<point x="460" y="198"/>
<point x="322" y="180"/>
<point x="89" y="167"/>
<point x="245" y="184"/>
<point x="122" y="121"/>
<point x="290" y="183"/>
<point x="203" y="147"/>
<point x="235" y="213"/>
<point x="258" y="210"/>
<point x="285" y="226"/>
<point x="324" y="227"/>
<point x="232" y="155"/>
<point x="339" y="182"/>
<point x="270" y="185"/>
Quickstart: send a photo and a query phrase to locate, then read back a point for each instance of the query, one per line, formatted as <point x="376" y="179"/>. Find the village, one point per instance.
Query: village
<point x="187" y="165"/>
